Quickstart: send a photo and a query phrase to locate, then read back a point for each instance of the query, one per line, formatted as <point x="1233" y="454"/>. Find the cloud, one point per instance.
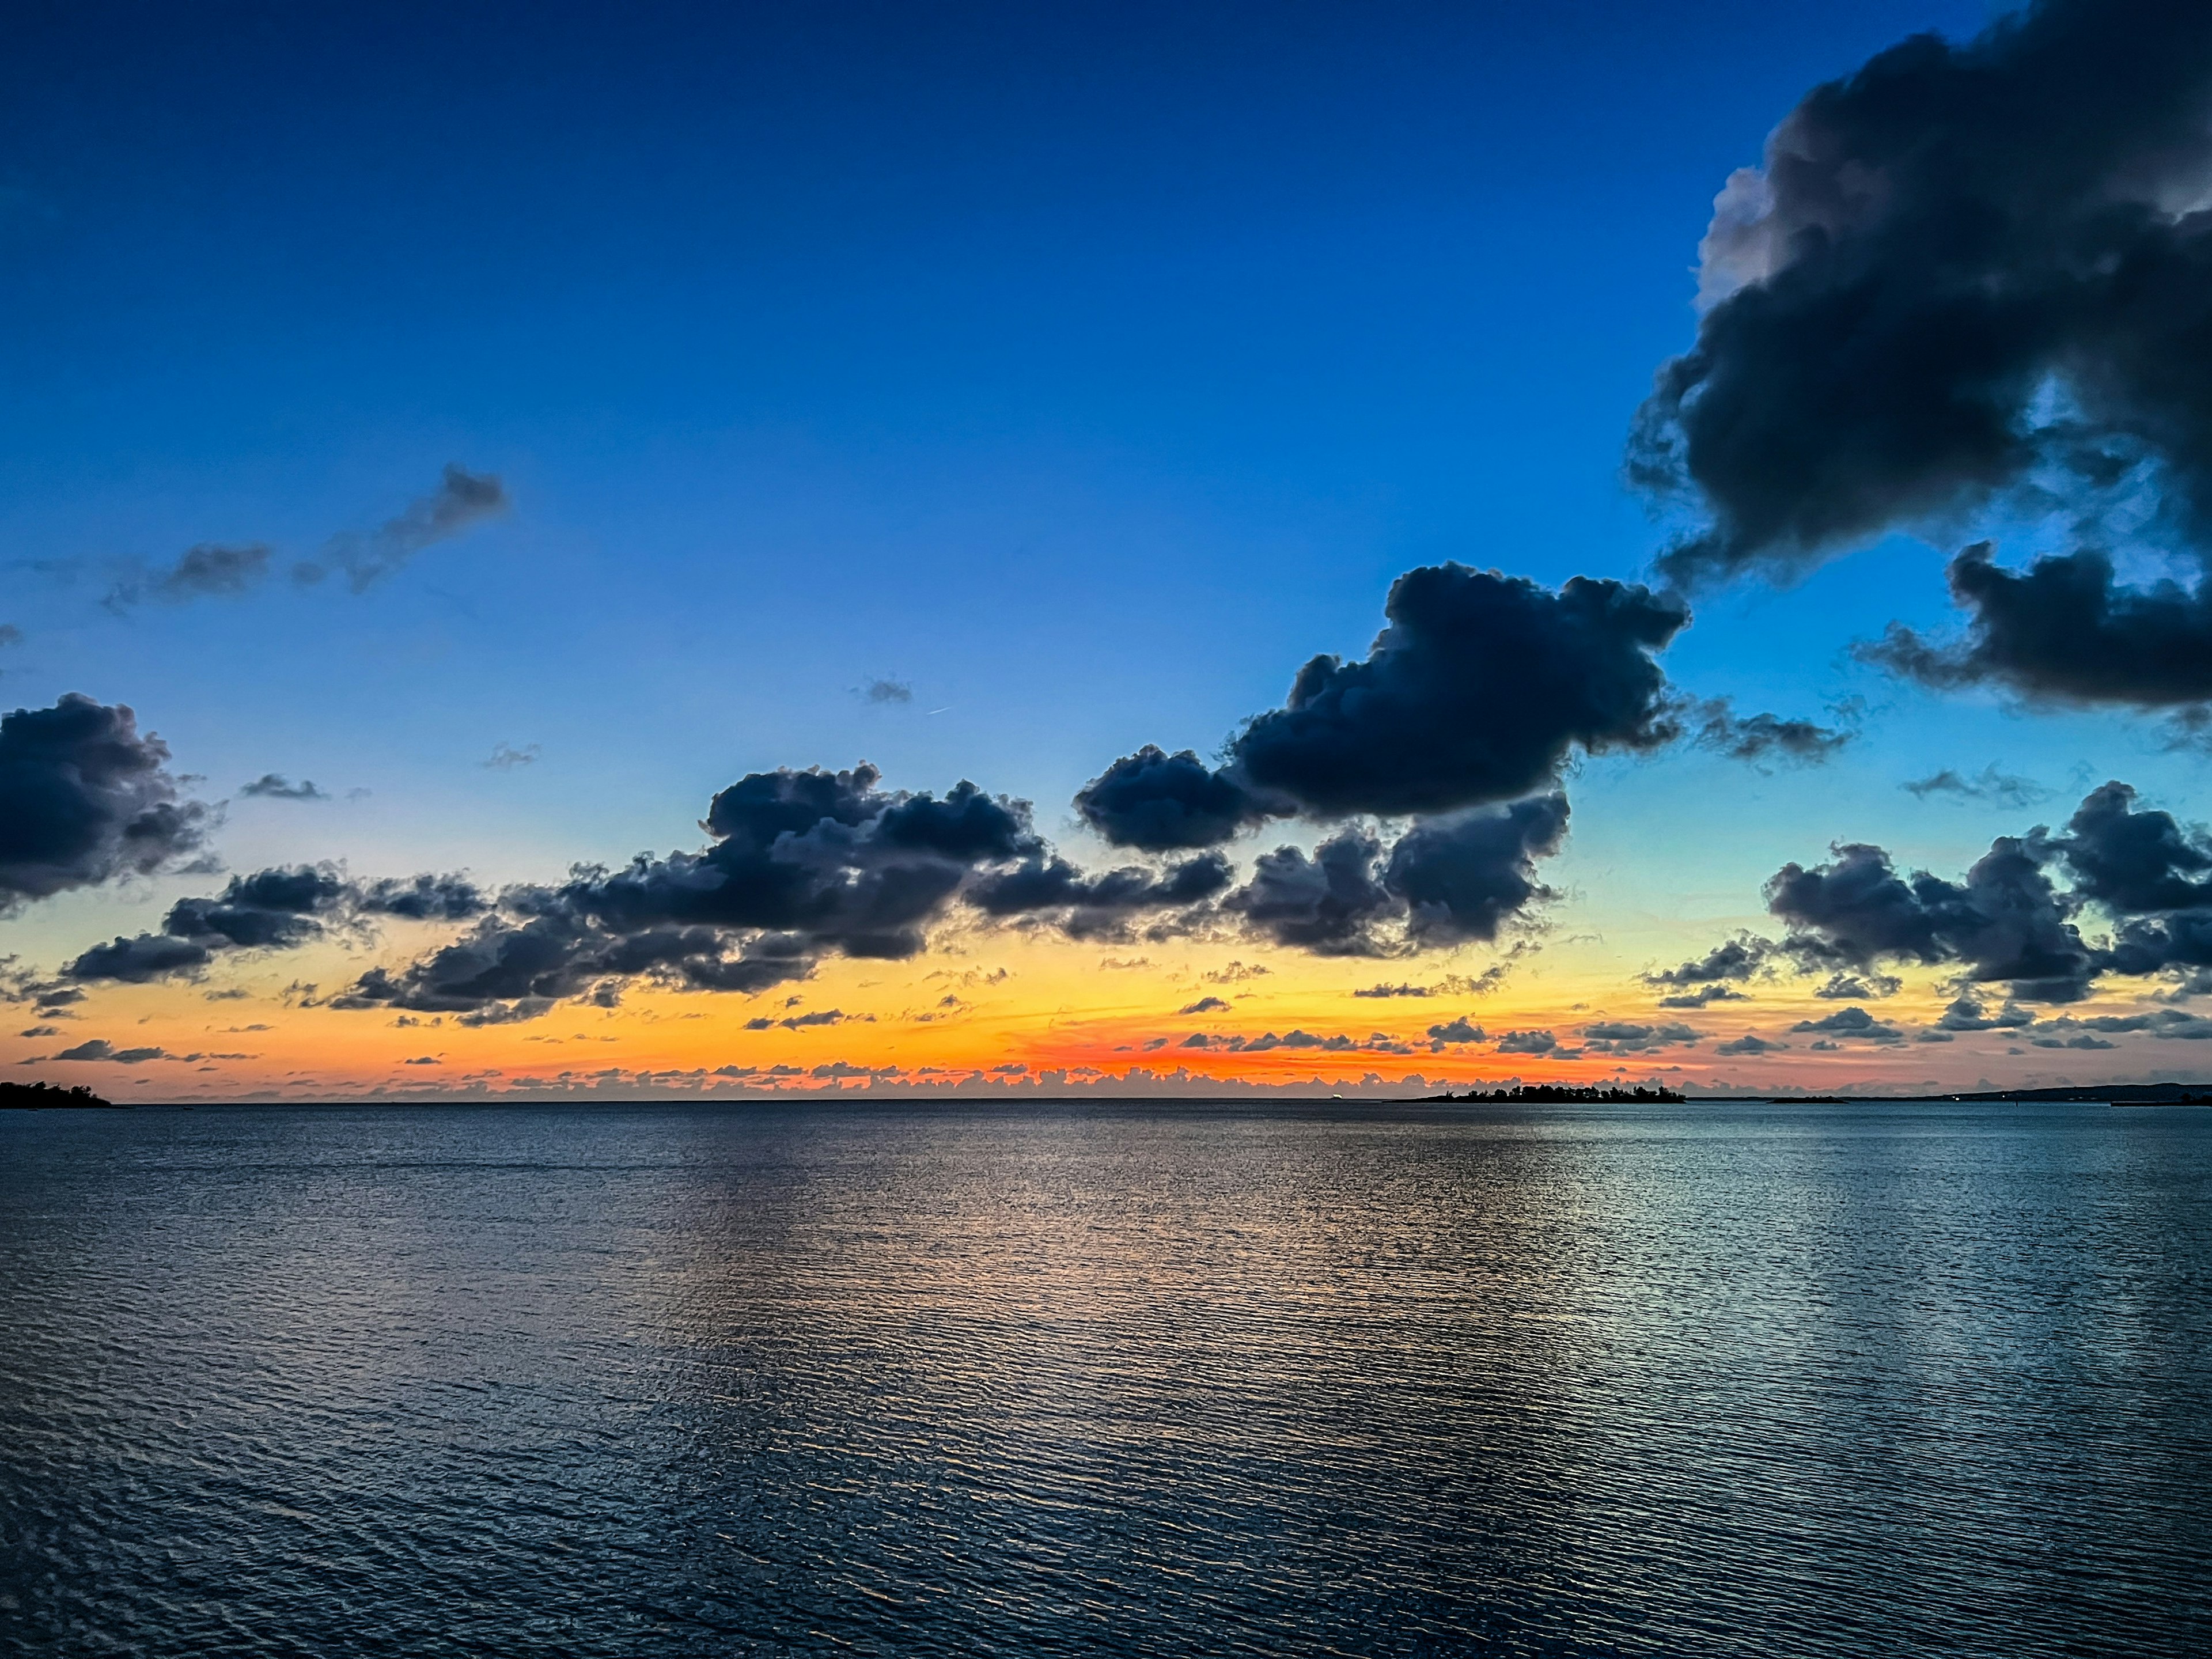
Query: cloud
<point x="1456" y="1031"/>
<point x="1448" y="881"/>
<point x="1858" y="988"/>
<point x="1963" y="274"/>
<point x="1462" y="879"/>
<point x="505" y="757"/>
<point x="1529" y="1042"/>
<point x="1748" y="1043"/>
<point x="1204" y="1006"/>
<point x="1990" y="785"/>
<point x="803" y="865"/>
<point x="1161" y="802"/>
<point x="1044" y="884"/>
<point x="1850" y="1022"/>
<point x="202" y="572"/>
<point x="2005" y="922"/>
<point x="272" y="909"/>
<point x="1713" y="724"/>
<point x="100" y="1048"/>
<point x="1966" y="1013"/>
<point x="1733" y="959"/>
<point x="462" y="499"/>
<point x="270" y="786"/>
<point x="1234" y="973"/>
<point x="1703" y="996"/>
<point x="2065" y="630"/>
<point x="1375" y="1043"/>
<point x="802" y="1022"/>
<point x="1330" y="903"/>
<point x="887" y="690"/>
<point x="85" y="799"/>
<point x="1628" y="1037"/>
<point x="1476" y="692"/>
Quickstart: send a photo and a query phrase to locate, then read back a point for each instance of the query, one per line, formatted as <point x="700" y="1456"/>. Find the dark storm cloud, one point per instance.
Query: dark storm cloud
<point x="461" y="500"/>
<point x="84" y="798"/>
<point x="271" y="786"/>
<point x="1962" y="271"/>
<point x="272" y="909"/>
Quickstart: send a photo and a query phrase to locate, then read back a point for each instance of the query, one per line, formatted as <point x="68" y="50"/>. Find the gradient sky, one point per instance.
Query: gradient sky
<point x="1070" y="375"/>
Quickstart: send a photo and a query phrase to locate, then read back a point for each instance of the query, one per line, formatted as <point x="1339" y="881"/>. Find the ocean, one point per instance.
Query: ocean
<point x="1057" y="1377"/>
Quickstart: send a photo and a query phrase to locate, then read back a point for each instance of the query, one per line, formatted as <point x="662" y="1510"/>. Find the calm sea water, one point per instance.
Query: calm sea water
<point x="1909" y="1378"/>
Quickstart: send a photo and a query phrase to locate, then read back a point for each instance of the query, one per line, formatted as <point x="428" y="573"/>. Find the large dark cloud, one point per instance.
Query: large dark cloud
<point x="1450" y="881"/>
<point x="2139" y="872"/>
<point x="272" y="910"/>
<point x="1158" y="801"/>
<point x="1965" y="270"/>
<point x="85" y="797"/>
<point x="1462" y="879"/>
<point x="1332" y="902"/>
<point x="1476" y="691"/>
<point x="1092" y="906"/>
<point x="2065" y="630"/>
<point x="2005" y="922"/>
<point x="804" y="865"/>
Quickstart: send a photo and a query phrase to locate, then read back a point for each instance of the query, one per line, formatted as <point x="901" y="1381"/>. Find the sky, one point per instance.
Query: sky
<point x="447" y="454"/>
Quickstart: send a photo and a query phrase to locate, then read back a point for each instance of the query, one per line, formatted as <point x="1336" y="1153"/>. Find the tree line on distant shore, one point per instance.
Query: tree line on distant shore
<point x="32" y="1096"/>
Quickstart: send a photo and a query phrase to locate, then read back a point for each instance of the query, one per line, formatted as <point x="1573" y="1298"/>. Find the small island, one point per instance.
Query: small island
<point x="1554" y="1094"/>
<point x="35" y="1097"/>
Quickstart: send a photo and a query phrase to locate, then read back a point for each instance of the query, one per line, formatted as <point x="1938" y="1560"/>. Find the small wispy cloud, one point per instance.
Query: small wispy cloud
<point x="274" y="785"/>
<point x="505" y="757"/>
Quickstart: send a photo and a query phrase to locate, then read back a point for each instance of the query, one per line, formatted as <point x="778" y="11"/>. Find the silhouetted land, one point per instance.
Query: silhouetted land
<point x="2120" y="1094"/>
<point x="32" y="1096"/>
<point x="1549" y="1094"/>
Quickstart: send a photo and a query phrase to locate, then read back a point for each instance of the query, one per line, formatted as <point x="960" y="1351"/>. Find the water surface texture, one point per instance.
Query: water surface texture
<point x="1703" y="1379"/>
